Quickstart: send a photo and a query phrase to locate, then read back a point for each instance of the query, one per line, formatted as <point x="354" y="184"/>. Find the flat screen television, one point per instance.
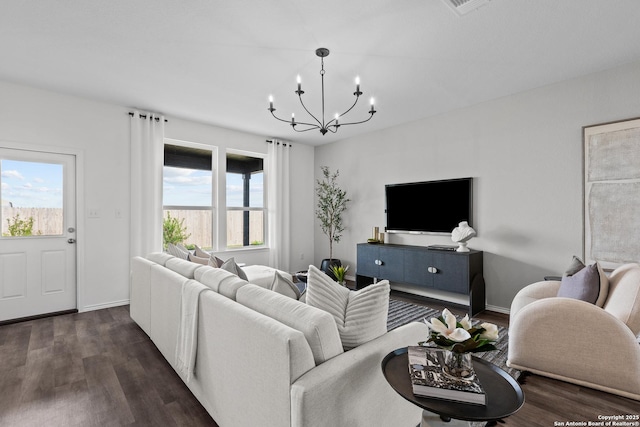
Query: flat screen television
<point x="430" y="206"/>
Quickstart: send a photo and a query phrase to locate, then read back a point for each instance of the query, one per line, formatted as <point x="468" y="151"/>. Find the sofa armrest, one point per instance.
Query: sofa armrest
<point x="534" y="292"/>
<point x="578" y="342"/>
<point x="350" y="388"/>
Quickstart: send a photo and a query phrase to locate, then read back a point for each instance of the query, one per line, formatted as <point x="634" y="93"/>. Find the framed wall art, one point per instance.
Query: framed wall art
<point x="612" y="193"/>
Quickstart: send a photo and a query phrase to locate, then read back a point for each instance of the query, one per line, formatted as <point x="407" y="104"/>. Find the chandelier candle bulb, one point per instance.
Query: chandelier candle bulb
<point x="293" y="118"/>
<point x="270" y="103"/>
<point x="358" y="85"/>
<point x="299" y="82"/>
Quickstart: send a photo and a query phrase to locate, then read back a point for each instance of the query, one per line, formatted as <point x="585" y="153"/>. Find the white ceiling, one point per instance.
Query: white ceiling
<point x="218" y="61"/>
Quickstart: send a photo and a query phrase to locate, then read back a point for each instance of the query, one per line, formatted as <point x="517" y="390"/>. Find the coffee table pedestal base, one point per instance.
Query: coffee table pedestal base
<point x="429" y="419"/>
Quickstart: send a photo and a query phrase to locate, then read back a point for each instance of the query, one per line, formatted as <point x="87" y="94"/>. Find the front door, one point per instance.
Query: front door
<point x="37" y="245"/>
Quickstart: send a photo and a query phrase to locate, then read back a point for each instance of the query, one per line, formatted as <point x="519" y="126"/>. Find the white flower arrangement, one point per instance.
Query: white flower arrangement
<point x="461" y="336"/>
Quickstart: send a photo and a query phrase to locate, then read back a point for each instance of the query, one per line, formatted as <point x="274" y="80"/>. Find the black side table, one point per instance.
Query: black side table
<point x="504" y="395"/>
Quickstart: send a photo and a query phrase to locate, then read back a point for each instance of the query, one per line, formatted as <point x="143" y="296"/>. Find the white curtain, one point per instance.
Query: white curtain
<point x="147" y="157"/>
<point x="278" y="199"/>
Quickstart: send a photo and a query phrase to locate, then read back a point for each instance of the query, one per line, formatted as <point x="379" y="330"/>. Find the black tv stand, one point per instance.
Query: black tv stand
<point x="424" y="267"/>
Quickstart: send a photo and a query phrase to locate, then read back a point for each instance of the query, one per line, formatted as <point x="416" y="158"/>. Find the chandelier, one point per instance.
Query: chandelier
<point x="324" y="126"/>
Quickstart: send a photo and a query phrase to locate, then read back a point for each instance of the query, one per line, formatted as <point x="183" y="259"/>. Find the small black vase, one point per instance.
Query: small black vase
<point x="327" y="264"/>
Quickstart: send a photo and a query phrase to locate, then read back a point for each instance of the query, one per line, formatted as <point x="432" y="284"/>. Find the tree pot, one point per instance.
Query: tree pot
<point x="326" y="265"/>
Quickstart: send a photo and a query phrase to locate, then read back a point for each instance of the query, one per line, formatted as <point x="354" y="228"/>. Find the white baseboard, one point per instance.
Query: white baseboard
<point x="93" y="307"/>
<point x="498" y="309"/>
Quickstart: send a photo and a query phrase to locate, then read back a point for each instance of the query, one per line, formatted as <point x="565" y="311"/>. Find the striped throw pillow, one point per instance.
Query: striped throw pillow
<point x="361" y="316"/>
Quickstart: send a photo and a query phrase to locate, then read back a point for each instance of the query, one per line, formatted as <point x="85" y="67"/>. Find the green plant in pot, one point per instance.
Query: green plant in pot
<point x="332" y="202"/>
<point x="340" y="273"/>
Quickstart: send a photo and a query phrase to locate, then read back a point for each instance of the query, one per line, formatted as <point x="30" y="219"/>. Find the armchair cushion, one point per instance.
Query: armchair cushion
<point x="576" y="266"/>
<point x="583" y="285"/>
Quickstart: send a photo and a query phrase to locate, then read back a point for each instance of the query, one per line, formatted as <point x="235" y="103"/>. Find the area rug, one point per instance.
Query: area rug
<point x="401" y="313"/>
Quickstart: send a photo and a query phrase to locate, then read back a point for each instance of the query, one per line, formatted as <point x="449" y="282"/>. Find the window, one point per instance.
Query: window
<point x="187" y="196"/>
<point x="31" y="194"/>
<point x="245" y="201"/>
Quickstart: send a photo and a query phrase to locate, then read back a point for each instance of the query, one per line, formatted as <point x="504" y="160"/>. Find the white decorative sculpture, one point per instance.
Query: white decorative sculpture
<point x="461" y="234"/>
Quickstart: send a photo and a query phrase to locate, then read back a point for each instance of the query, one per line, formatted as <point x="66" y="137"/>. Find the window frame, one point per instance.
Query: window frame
<point x="214" y="188"/>
<point x="264" y="209"/>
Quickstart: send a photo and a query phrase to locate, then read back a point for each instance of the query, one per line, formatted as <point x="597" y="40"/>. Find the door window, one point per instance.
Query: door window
<point x="32" y="198"/>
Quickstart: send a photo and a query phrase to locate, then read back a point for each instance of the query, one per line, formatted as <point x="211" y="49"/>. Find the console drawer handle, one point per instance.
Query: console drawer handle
<point x="432" y="270"/>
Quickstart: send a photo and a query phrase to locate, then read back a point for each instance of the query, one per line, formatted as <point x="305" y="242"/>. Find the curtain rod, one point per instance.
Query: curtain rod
<point x="144" y="116"/>
<point x="284" y="144"/>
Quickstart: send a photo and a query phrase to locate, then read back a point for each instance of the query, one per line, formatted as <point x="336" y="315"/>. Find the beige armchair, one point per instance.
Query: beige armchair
<point x="579" y="342"/>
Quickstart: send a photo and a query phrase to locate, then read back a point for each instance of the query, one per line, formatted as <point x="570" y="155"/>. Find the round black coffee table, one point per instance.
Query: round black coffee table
<point x="504" y="395"/>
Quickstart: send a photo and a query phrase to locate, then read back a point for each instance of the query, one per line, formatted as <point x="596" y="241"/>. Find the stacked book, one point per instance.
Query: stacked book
<point x="430" y="380"/>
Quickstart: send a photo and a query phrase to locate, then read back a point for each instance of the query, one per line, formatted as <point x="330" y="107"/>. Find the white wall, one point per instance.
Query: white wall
<point x="525" y="154"/>
<point x="99" y="132"/>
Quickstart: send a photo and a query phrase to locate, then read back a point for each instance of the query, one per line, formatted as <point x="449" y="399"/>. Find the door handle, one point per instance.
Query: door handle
<point x="71" y="241"/>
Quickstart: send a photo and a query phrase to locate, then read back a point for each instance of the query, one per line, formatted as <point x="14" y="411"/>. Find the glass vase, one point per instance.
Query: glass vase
<point x="458" y="365"/>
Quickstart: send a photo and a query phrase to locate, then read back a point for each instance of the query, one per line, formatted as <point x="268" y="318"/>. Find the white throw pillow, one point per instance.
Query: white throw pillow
<point x="231" y="266"/>
<point x="361" y="316"/>
<point x="199" y="260"/>
<point x="200" y="253"/>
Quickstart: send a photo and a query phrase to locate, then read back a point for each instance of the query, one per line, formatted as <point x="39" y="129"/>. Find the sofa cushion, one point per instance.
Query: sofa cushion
<point x="360" y="315"/>
<point x="159" y="257"/>
<point x="183" y="267"/>
<point x="284" y="286"/>
<point x="200" y="271"/>
<point x="583" y="285"/>
<point x="624" y="296"/>
<point x="222" y="281"/>
<point x="317" y="325"/>
<point x="231" y="266"/>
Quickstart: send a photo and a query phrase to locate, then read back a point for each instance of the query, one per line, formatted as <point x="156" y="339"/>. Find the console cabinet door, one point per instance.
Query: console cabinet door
<point x="391" y="264"/>
<point x="451" y="272"/>
<point x="366" y="259"/>
<point x="416" y="264"/>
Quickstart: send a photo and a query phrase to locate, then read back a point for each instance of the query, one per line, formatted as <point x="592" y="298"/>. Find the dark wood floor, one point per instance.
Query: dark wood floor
<point x="90" y="369"/>
<point x="99" y="369"/>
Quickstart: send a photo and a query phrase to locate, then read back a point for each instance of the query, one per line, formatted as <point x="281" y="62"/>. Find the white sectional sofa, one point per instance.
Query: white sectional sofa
<point x="262" y="358"/>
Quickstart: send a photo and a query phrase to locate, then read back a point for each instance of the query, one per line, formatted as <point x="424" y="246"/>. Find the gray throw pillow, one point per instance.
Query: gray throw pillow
<point x="231" y="266"/>
<point x="583" y="285"/>
<point x="284" y="286"/>
<point x="575" y="266"/>
<point x="177" y="251"/>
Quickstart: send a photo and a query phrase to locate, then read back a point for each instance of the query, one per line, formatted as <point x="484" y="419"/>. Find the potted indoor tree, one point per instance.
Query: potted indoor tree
<point x="332" y="202"/>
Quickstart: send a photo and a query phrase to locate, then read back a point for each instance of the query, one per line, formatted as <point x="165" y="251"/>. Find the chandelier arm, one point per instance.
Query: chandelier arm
<point x="350" y="108"/>
<point x="357" y="123"/>
<point x="313" y="127"/>
<point x="309" y="112"/>
<point x="278" y="118"/>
